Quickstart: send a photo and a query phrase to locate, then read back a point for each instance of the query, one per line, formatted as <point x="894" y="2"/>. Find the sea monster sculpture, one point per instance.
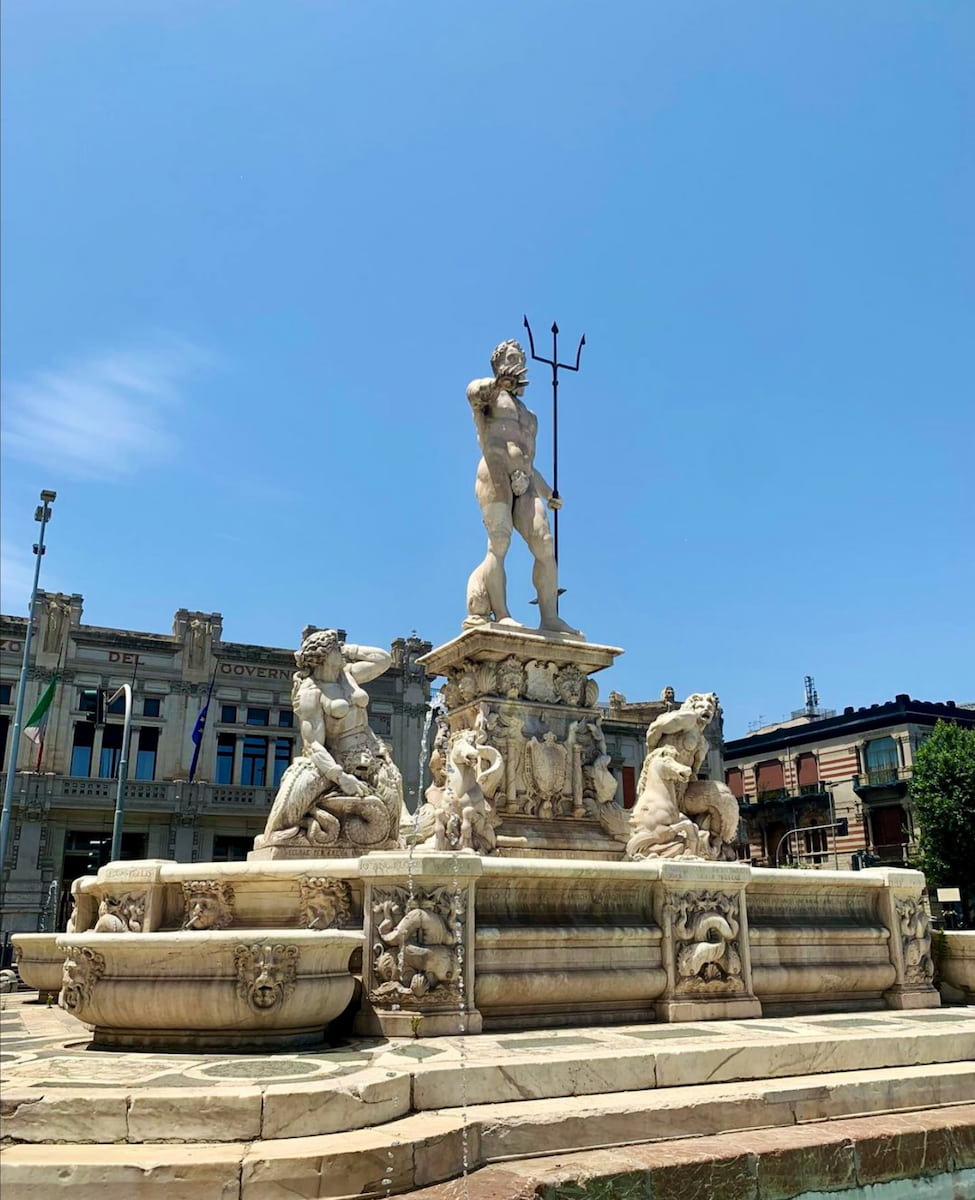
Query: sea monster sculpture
<point x="708" y="806"/>
<point x="458" y="815"/>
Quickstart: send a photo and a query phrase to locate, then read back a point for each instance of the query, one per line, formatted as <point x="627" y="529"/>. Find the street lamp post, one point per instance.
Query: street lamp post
<point x="123" y="772"/>
<point x="43" y="515"/>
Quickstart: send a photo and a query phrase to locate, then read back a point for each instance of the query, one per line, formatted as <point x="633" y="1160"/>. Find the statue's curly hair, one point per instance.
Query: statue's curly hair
<point x="316" y="647"/>
<point x="499" y="353"/>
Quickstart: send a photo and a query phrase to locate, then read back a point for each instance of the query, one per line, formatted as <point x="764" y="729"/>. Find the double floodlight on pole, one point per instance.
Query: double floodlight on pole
<point x="43" y="515"/>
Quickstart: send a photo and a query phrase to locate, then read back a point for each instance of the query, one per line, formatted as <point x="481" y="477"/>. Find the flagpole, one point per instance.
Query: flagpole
<point x="58" y="672"/>
<point x="43" y="515"/>
<point x="201" y="721"/>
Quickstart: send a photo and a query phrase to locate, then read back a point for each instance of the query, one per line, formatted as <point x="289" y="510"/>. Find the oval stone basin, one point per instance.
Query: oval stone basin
<point x="39" y="961"/>
<point x="212" y="989"/>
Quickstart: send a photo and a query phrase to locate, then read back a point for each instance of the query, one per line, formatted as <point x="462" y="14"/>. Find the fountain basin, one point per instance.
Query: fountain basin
<point x="213" y="989"/>
<point x="39" y="961"/>
<point x="957" y="967"/>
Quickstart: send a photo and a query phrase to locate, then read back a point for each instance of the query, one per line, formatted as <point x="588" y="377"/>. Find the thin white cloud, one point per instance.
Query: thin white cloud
<point x="16" y="580"/>
<point x="103" y="417"/>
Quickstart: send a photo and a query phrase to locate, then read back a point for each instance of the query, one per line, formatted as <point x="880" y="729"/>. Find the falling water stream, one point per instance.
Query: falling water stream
<point x="49" y="910"/>
<point x="436" y="707"/>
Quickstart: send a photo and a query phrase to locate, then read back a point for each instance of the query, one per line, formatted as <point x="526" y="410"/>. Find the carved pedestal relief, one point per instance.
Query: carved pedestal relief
<point x="534" y="741"/>
<point x="915" y="934"/>
<point x="418" y="947"/>
<point x="266" y="974"/>
<point x="707" y="954"/>
<point x="124" y="913"/>
<point x="207" y="904"/>
<point x="81" y="972"/>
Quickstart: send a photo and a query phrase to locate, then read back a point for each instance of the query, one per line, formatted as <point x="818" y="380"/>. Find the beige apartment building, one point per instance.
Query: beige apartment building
<point x="833" y="790"/>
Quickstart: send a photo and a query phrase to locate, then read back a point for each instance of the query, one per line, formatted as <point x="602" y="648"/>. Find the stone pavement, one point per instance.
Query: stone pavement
<point x="373" y="1117"/>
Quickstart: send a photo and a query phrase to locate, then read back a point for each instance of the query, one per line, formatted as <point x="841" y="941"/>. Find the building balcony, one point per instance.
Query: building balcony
<point x="896" y="854"/>
<point x="811" y="792"/>
<point x="882" y="784"/>
<point x="40" y="793"/>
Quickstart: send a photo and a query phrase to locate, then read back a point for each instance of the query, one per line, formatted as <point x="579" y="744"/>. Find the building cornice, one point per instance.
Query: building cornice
<point x="851" y="723"/>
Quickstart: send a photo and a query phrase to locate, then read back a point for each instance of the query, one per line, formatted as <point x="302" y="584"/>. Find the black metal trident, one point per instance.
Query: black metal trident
<point x="554" y="363"/>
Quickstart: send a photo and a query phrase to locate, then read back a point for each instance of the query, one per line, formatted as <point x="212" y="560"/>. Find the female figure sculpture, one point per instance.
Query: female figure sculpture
<point x="343" y="792"/>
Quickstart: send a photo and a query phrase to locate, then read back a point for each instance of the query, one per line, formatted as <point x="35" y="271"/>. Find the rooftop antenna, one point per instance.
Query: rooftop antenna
<point x="812" y="696"/>
<point x="554" y="363"/>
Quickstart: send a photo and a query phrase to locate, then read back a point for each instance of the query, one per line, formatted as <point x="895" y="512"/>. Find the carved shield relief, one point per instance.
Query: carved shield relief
<point x="547" y="767"/>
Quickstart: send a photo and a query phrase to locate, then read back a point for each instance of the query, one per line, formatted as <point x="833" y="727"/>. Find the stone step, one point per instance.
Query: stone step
<point x="853" y="1158"/>
<point x="65" y="1093"/>
<point x="429" y="1147"/>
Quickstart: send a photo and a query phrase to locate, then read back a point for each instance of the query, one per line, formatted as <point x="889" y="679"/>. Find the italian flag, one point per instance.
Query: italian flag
<point x="37" y="722"/>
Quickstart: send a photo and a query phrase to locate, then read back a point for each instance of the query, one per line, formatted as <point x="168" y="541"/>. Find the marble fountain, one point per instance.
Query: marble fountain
<point x="519" y="896"/>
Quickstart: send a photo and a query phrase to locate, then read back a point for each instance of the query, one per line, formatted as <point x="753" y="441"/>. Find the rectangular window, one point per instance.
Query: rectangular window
<point x="770" y="780"/>
<point x="881" y="756"/>
<point x="145" y="759"/>
<point x="282" y="758"/>
<point x="226" y="752"/>
<point x="815" y="844"/>
<point x="382" y="723"/>
<point x="228" y="714"/>
<point x="258" y="716"/>
<point x="117" y="707"/>
<point x="230" y="848"/>
<point x="628" y="779"/>
<point x="253" y="763"/>
<point x="733" y="779"/>
<point x="807" y="769"/>
<point x="81" y="748"/>
<point x="6" y="691"/>
<point x="111" y="752"/>
<point x="87" y="700"/>
<point x="4" y="734"/>
<point x="888" y="825"/>
<point x="151" y="706"/>
<point x="286" y="718"/>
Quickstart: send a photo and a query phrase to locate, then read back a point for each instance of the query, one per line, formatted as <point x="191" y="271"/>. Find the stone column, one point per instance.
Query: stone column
<point x="418" y="968"/>
<point x="903" y="913"/>
<point x="700" y="907"/>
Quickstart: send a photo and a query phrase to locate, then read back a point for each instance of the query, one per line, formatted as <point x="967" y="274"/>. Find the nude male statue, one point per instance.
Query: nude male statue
<point x="512" y="495"/>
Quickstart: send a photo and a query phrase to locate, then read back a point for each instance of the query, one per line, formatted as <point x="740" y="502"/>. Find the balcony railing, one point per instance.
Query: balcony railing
<point x="72" y="791"/>
<point x="805" y="791"/>
<point x="895" y="852"/>
<point x="878" y="777"/>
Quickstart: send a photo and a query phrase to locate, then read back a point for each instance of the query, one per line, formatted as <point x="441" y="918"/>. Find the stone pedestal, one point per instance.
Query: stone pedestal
<point x="418" y="972"/>
<point x="531" y="698"/>
<point x="700" y="907"/>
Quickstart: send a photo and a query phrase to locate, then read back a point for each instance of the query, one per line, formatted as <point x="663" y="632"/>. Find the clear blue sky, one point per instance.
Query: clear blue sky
<point x="253" y="253"/>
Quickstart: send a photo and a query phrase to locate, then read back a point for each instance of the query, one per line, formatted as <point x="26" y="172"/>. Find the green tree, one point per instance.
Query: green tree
<point x="943" y="794"/>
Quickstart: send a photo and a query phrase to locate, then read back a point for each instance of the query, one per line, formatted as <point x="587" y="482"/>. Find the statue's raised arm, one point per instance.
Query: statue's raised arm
<point x="365" y="662"/>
